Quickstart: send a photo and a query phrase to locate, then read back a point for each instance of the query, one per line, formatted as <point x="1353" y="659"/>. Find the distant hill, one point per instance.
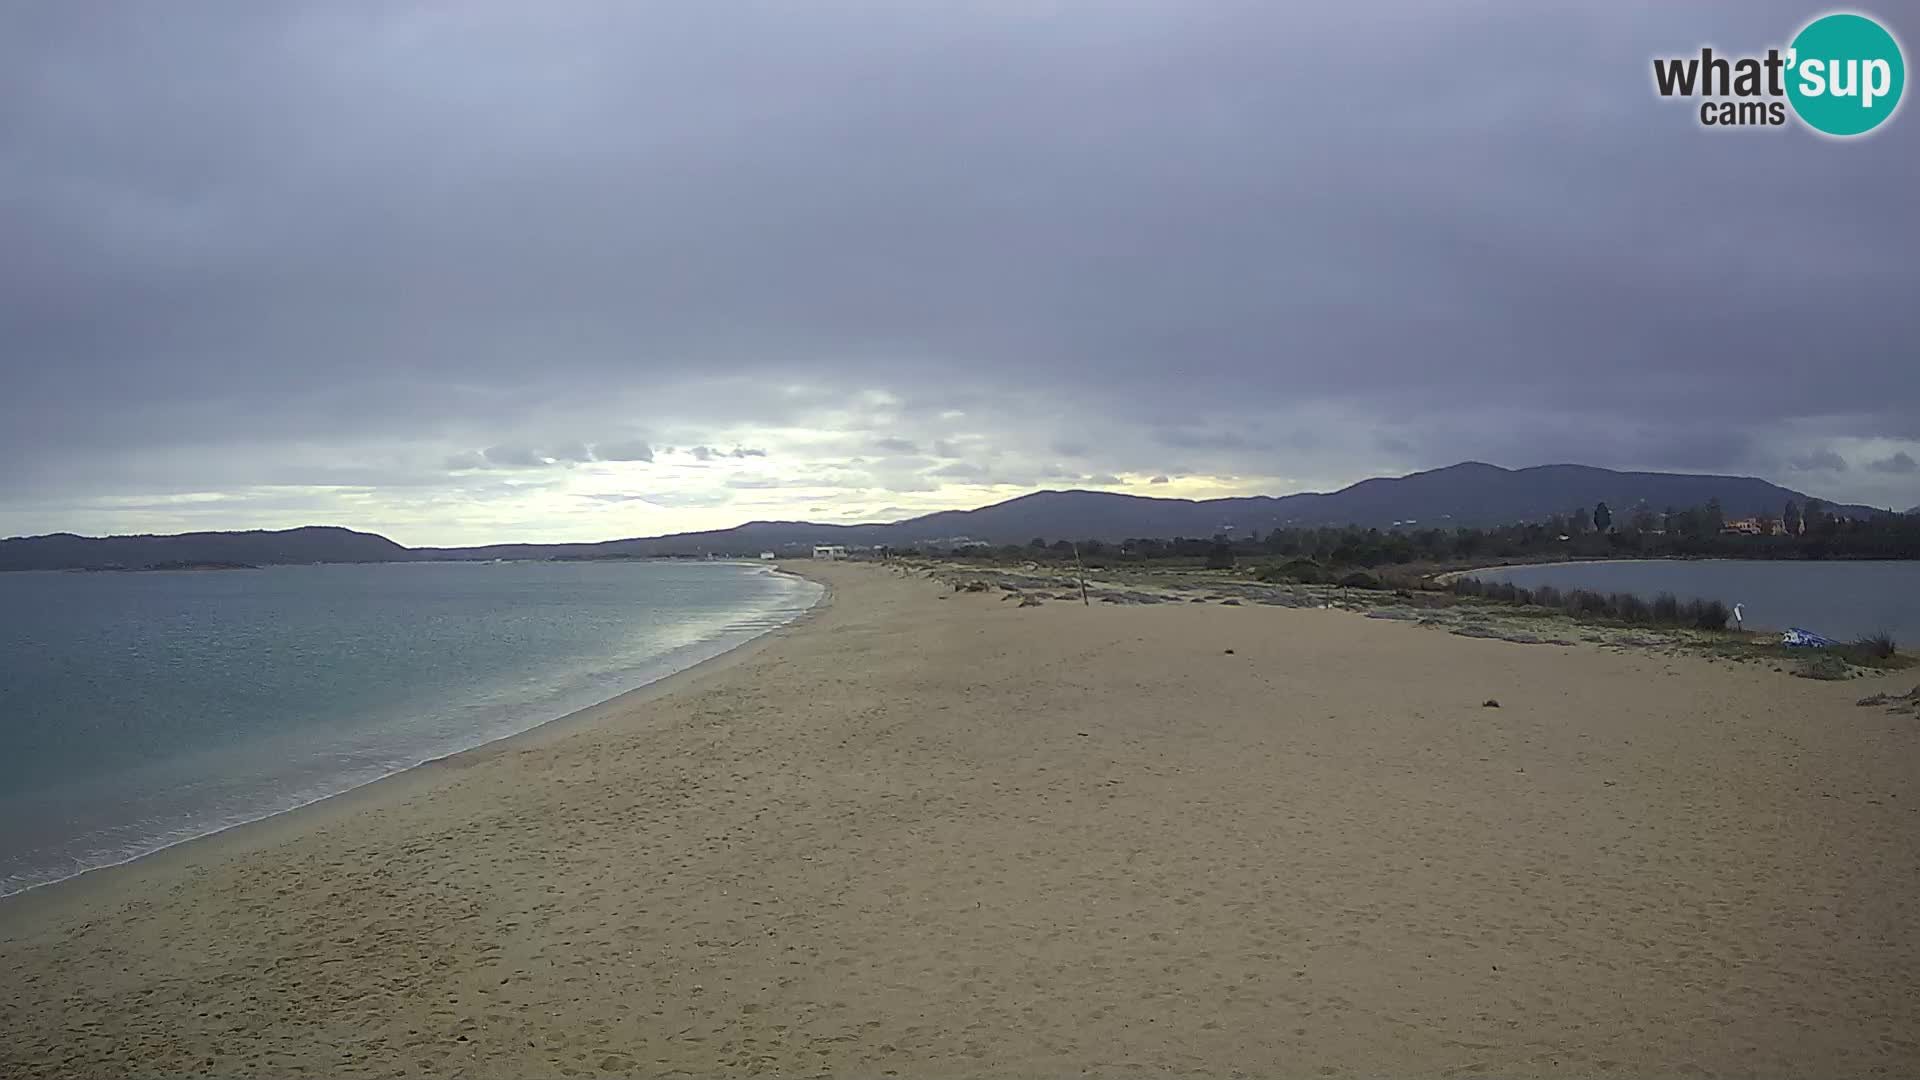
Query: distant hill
<point x="1467" y="494"/>
<point x="315" y="543"/>
<point x="1472" y="493"/>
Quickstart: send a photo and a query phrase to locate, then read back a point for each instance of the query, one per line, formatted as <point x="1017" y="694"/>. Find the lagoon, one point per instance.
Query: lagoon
<point x="1841" y="599"/>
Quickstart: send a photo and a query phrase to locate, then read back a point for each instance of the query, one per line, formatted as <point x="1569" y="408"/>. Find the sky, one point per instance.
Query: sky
<point x="474" y="272"/>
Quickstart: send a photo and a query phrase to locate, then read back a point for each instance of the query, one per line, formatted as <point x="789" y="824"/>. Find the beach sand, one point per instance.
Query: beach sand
<point x="935" y="834"/>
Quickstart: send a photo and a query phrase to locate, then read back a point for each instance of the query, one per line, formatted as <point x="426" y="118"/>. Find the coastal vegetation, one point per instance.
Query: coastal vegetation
<point x="1428" y="562"/>
<point x="1538" y="616"/>
<point x="1665" y="609"/>
<point x="172" y="564"/>
<point x="1325" y="554"/>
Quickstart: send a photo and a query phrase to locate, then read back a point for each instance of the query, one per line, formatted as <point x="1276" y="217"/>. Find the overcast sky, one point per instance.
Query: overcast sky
<point x="460" y="272"/>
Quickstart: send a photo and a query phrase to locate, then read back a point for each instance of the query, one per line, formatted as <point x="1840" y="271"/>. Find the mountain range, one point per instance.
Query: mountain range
<point x="1468" y="494"/>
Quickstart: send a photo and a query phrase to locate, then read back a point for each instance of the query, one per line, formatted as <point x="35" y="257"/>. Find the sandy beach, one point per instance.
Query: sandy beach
<point x="927" y="833"/>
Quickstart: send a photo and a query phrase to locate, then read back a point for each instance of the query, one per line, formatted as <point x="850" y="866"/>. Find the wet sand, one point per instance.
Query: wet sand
<point x="928" y="833"/>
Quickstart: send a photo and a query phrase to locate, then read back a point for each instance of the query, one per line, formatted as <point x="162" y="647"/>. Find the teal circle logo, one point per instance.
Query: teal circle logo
<point x="1845" y="74"/>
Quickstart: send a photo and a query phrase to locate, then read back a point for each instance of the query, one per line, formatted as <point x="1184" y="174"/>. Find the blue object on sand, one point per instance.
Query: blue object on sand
<point x="1805" y="639"/>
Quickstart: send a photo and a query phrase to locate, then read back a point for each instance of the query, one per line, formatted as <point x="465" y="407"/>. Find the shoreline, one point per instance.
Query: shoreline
<point x="1449" y="576"/>
<point x="295" y="819"/>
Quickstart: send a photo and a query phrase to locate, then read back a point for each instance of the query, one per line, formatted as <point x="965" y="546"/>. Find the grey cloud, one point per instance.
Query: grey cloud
<point x="900" y="474"/>
<point x="1900" y="462"/>
<point x="628" y="450"/>
<point x="1104" y="480"/>
<point x="1192" y="439"/>
<point x="1528" y="261"/>
<point x="895" y="445"/>
<point x="709" y="453"/>
<point x="1822" y="460"/>
<point x="1158" y="480"/>
<point x="960" y="470"/>
<point x="513" y="457"/>
<point x="510" y="456"/>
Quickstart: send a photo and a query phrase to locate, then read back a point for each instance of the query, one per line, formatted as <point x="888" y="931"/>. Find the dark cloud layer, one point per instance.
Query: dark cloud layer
<point x="260" y="252"/>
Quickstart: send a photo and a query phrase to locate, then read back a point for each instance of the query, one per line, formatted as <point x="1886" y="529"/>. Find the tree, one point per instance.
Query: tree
<point x="1220" y="557"/>
<point x="1038" y="543"/>
<point x="1577" y="524"/>
<point x="1689" y="522"/>
<point x="1790" y="518"/>
<point x="1716" y="517"/>
<point x="1642" y="519"/>
<point x="1602" y="518"/>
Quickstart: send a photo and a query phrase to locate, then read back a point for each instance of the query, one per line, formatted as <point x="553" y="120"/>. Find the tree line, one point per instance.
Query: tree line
<point x="1799" y="532"/>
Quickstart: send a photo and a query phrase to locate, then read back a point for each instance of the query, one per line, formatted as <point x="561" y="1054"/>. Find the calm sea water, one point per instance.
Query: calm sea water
<point x="1838" y="599"/>
<point x="139" y="710"/>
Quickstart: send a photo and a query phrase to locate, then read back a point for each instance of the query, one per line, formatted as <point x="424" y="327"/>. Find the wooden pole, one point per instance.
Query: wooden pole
<point x="1083" y="574"/>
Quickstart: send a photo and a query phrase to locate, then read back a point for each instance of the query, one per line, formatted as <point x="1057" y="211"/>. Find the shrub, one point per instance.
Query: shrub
<point x="1706" y="614"/>
<point x="1360" y="579"/>
<point x="1665" y="609"/>
<point x="1825" y="667"/>
<point x="1879" y="646"/>
<point x="1303" y="571"/>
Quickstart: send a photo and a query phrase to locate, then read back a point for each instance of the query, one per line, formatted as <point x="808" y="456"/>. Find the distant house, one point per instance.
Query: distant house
<point x="829" y="551"/>
<point x="1748" y="527"/>
<point x="767" y="556"/>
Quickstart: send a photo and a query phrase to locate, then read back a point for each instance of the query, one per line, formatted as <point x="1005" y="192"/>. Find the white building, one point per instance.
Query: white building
<point x="829" y="551"/>
<point x="766" y="556"/>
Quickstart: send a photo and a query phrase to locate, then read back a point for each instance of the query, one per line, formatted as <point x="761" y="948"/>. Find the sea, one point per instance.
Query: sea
<point x="140" y="710"/>
<point x="1839" y="599"/>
